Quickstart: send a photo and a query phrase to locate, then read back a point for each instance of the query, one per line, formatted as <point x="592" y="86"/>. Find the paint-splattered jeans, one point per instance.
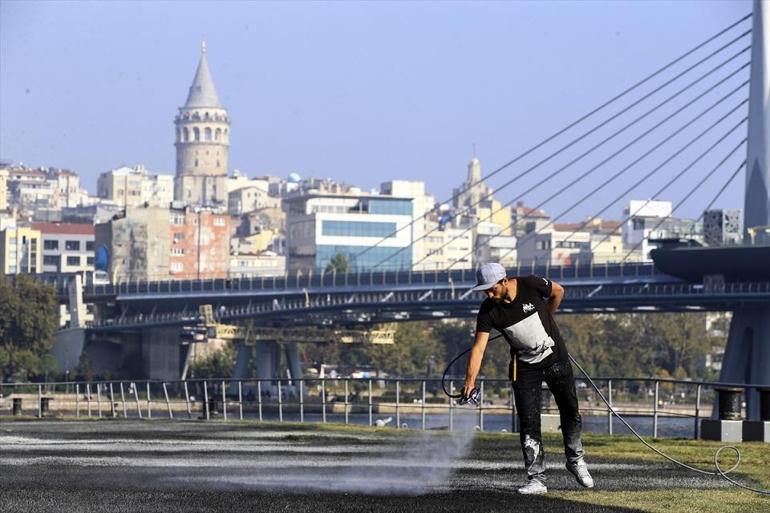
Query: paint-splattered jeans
<point x="561" y="382"/>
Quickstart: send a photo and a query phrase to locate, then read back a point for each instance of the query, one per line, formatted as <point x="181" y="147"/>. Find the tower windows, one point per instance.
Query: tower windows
<point x="186" y="134"/>
<point x="217" y="163"/>
<point x="206" y="116"/>
<point x="207" y="132"/>
<point x="196" y="162"/>
<point x="218" y="134"/>
<point x="178" y="135"/>
<point x="197" y="134"/>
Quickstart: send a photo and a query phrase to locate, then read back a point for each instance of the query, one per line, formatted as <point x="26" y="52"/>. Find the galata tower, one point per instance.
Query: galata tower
<point x="202" y="143"/>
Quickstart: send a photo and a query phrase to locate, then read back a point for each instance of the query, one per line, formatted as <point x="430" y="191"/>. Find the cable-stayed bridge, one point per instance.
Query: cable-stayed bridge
<point x="686" y="131"/>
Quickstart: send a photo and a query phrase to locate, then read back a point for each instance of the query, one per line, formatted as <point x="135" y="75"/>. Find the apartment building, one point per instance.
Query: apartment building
<point x="67" y="247"/>
<point x="20" y="251"/>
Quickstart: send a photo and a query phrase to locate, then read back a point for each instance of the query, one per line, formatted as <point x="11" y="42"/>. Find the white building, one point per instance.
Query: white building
<point x="29" y="188"/>
<point x="67" y="247"/>
<point x="250" y="198"/>
<point x="445" y="247"/>
<point x="642" y="216"/>
<point x="134" y="186"/>
<point x="250" y="265"/>
<point x="492" y="245"/>
<point x="366" y="228"/>
<point x="648" y="220"/>
<point x="556" y="245"/>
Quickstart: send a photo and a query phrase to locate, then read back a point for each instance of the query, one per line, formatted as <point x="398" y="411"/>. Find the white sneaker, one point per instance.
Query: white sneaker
<point x="533" y="487"/>
<point x="580" y="471"/>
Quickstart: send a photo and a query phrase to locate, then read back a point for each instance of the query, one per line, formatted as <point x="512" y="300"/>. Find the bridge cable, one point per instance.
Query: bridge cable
<point x="647" y="176"/>
<point x="662" y="189"/>
<point x="660" y="144"/>
<point x="581" y="156"/>
<point x="596" y="146"/>
<point x="679" y="204"/>
<point x="628" y="190"/>
<point x="566" y="166"/>
<point x="719" y="193"/>
<point x="687" y="196"/>
<point x="719" y="472"/>
<point x="586" y="116"/>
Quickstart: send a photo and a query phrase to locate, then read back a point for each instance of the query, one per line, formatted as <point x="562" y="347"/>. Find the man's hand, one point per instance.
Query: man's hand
<point x="467" y="389"/>
<point x="474" y="361"/>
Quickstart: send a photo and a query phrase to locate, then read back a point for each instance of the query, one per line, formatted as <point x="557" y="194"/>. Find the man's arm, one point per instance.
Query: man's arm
<point x="474" y="361"/>
<point x="557" y="294"/>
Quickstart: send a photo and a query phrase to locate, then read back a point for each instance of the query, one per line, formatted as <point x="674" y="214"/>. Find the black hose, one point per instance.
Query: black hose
<point x="719" y="471"/>
<point x="446" y="371"/>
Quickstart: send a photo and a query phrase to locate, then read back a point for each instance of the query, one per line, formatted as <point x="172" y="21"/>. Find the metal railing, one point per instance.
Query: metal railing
<point x="313" y="280"/>
<point x="396" y="402"/>
<point x="272" y="305"/>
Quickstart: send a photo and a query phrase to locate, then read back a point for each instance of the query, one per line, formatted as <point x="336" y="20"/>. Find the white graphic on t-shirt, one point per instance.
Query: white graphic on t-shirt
<point x="529" y="338"/>
<point x="527" y="307"/>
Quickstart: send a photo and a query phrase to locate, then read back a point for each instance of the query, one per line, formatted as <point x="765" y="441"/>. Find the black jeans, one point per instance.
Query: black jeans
<point x="526" y="389"/>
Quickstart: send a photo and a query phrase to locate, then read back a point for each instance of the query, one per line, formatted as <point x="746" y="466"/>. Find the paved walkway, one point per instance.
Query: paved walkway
<point x="194" y="466"/>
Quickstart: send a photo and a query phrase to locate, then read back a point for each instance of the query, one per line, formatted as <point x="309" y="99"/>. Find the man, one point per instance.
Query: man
<point x="522" y="309"/>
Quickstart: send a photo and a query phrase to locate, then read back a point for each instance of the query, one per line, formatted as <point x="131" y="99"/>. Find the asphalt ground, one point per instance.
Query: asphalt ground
<point x="187" y="466"/>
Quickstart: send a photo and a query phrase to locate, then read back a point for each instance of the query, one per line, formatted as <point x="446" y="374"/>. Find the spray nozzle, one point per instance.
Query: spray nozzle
<point x="472" y="397"/>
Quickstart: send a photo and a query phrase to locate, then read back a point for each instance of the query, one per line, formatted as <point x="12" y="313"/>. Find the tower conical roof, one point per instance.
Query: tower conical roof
<point x="202" y="91"/>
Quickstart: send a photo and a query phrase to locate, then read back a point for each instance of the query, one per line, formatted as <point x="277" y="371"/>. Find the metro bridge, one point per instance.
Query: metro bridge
<point x="367" y="298"/>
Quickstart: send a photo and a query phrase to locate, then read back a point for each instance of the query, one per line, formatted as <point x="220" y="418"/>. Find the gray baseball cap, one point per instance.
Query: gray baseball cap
<point x="489" y="274"/>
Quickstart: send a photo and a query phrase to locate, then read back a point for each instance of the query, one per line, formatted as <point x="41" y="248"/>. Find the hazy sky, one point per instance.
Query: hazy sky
<point x="359" y="92"/>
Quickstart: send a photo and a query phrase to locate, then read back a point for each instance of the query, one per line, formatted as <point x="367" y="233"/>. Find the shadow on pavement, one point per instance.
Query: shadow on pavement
<point x="181" y="501"/>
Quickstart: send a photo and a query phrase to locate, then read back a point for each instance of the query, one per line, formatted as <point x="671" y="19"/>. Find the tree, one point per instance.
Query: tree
<point x="338" y="263"/>
<point x="217" y="364"/>
<point x="412" y="348"/>
<point x="28" y="323"/>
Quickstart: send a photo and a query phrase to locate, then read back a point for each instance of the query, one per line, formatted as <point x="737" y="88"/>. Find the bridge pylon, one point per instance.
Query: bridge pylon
<point x="747" y="355"/>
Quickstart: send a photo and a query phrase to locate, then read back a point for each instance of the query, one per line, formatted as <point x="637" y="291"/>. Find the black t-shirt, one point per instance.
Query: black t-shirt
<point x="526" y="323"/>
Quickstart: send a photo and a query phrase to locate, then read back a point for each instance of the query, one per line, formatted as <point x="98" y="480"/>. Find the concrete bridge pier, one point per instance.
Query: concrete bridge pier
<point x="268" y="363"/>
<point x="68" y="347"/>
<point x="241" y="370"/>
<point x="160" y="353"/>
<point x="292" y="361"/>
<point x="268" y="358"/>
<point x="747" y="355"/>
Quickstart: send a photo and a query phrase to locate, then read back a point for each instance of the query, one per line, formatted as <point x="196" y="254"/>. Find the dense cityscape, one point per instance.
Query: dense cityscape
<point x="203" y="223"/>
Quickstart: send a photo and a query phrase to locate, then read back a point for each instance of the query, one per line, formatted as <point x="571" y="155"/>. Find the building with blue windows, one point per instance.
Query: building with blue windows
<point x="321" y="225"/>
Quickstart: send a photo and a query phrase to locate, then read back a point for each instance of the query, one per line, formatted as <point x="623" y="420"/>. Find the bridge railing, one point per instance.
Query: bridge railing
<point x="273" y="306"/>
<point x="654" y="406"/>
<point x="315" y="280"/>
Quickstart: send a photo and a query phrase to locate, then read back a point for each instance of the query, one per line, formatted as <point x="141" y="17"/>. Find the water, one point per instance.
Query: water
<point x="670" y="427"/>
